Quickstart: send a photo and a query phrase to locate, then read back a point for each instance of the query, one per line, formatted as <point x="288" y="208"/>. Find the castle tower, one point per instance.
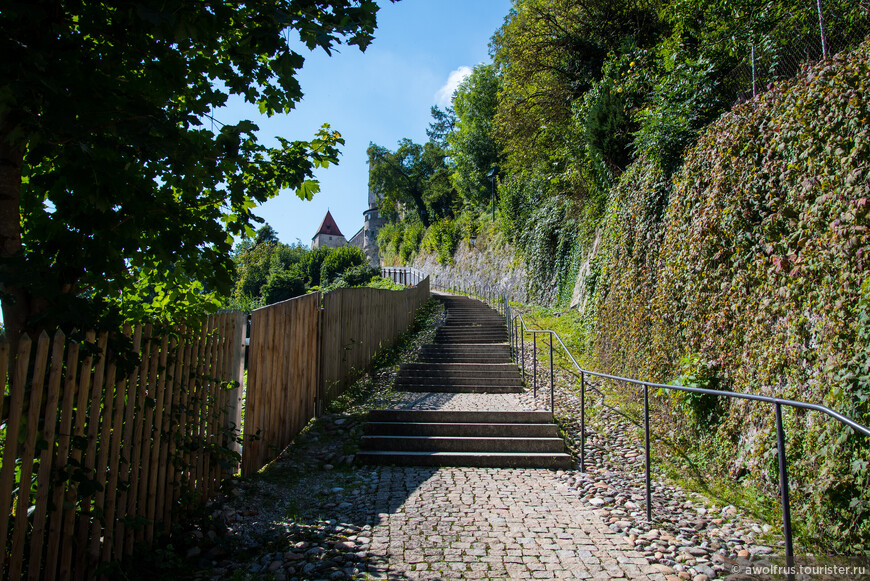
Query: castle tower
<point x="328" y="235"/>
<point x="371" y="227"/>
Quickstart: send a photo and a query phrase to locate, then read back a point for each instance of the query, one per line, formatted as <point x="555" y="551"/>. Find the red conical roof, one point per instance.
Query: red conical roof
<point x="329" y="226"/>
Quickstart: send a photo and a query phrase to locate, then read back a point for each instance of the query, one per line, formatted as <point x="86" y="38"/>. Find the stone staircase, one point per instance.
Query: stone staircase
<point x="470" y="356"/>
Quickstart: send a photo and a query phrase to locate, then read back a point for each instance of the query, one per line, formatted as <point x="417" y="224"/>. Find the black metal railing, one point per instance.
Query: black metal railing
<point x="517" y="330"/>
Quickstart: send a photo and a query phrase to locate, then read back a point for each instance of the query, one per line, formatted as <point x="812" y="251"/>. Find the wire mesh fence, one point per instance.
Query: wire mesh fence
<point x="775" y="43"/>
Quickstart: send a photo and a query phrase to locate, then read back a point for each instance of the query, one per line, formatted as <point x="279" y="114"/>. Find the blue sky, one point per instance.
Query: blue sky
<point x="378" y="96"/>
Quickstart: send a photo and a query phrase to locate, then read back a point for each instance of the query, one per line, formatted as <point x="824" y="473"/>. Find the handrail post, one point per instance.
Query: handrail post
<point x="522" y="330"/>
<point x="646" y="442"/>
<point x="512" y="330"/>
<point x="535" y="366"/>
<point x="552" y="389"/>
<point x="582" y="421"/>
<point x="783" y="489"/>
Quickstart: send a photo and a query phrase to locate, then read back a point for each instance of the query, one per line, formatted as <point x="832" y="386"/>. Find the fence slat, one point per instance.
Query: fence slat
<point x="44" y="485"/>
<point x="27" y="454"/>
<point x="158" y="394"/>
<point x="198" y="398"/>
<point x="13" y="422"/>
<point x="172" y="487"/>
<point x="167" y="473"/>
<point x="62" y="461"/>
<point x="106" y="435"/>
<point x="138" y="440"/>
<point x="80" y="565"/>
<point x="123" y="501"/>
<point x="113" y="495"/>
<point x="76" y="453"/>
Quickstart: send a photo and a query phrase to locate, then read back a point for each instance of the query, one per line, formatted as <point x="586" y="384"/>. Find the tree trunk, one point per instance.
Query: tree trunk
<point x="14" y="298"/>
<point x="417" y="196"/>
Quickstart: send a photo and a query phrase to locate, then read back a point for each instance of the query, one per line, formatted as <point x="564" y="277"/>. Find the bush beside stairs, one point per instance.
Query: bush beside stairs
<point x="470" y="355"/>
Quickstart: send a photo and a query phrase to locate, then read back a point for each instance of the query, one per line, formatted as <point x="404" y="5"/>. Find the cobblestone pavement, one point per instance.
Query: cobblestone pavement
<point x="485" y="523"/>
<point x="489" y="523"/>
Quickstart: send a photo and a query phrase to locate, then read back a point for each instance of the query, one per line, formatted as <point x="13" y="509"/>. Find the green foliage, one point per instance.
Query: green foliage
<point x="704" y="411"/>
<point x="269" y="271"/>
<point x="340" y="260"/>
<point x="414" y="178"/>
<point x="312" y="265"/>
<point x="283" y="285"/>
<point x="357" y="276"/>
<point x="399" y="242"/>
<point x="755" y="256"/>
<point x="684" y="100"/>
<point x="253" y="267"/>
<point x="441" y="239"/>
<point x="607" y="112"/>
<point x="474" y="151"/>
<point x="384" y="283"/>
<point x="442" y="124"/>
<point x="468" y="223"/>
<point x="411" y="239"/>
<point x="112" y="175"/>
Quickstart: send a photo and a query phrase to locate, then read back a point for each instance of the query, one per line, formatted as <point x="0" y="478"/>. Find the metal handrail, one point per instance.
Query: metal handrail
<point x="517" y="327"/>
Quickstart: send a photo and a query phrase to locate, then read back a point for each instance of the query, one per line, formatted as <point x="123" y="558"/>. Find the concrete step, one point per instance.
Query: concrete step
<point x="487" y="339"/>
<point x="461" y="416"/>
<point x="483" y="430"/>
<point x="471" y="332"/>
<point x="469" y="322"/>
<point x="484" y="445"/>
<point x="466" y="350"/>
<point x="450" y="359"/>
<point x="459" y="382"/>
<point x="472" y="381"/>
<point x="461" y="370"/>
<point x="454" y="329"/>
<point x="475" y="316"/>
<point x="454" y="388"/>
<point x="475" y="367"/>
<point x="552" y="461"/>
<point x="443" y="378"/>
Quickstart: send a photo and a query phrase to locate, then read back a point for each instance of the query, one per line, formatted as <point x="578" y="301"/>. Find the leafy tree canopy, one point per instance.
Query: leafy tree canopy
<point x="414" y="179"/>
<point x="114" y="178"/>
<point x="473" y="148"/>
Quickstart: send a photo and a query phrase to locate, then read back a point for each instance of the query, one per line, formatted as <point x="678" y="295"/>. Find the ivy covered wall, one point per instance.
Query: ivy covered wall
<point x="752" y="263"/>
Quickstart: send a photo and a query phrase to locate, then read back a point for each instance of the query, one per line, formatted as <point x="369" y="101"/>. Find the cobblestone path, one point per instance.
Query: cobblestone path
<point x="490" y="523"/>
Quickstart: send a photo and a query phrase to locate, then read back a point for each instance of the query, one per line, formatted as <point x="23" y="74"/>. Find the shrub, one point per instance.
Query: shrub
<point x="411" y="238"/>
<point x="283" y="285"/>
<point x="359" y="275"/>
<point x="312" y="264"/>
<point x="441" y="238"/>
<point x="338" y="261"/>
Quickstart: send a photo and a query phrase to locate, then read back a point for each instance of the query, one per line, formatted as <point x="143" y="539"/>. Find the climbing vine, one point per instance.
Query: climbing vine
<point x="755" y="258"/>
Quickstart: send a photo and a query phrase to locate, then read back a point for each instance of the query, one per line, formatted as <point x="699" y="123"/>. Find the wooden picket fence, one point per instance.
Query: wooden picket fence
<point x="108" y="454"/>
<point x="356" y="323"/>
<point x="303" y="356"/>
<point x="98" y="456"/>
<point x="282" y="377"/>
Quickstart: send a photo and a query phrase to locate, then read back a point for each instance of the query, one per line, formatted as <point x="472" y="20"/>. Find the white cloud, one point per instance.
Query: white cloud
<point x="444" y="96"/>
